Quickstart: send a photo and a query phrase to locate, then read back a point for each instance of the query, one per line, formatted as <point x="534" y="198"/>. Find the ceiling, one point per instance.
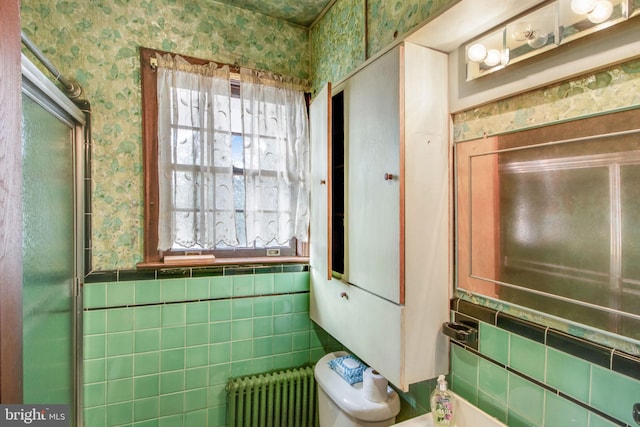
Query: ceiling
<point x="301" y="12"/>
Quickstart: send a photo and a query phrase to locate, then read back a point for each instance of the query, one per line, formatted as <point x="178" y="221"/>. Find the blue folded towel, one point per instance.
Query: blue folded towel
<point x="348" y="367"/>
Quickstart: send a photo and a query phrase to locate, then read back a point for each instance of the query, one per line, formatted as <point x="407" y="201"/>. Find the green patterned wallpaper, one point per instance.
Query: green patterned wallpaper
<point x="301" y="12"/>
<point x="386" y="17"/>
<point x="615" y="88"/>
<point x="96" y="41"/>
<point x="337" y="42"/>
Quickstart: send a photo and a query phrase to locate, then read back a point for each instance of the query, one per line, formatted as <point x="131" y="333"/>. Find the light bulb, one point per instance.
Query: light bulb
<point x="494" y="57"/>
<point x="477" y="52"/>
<point x="536" y="41"/>
<point x="601" y="12"/>
<point x="582" y="7"/>
<point x="522" y="31"/>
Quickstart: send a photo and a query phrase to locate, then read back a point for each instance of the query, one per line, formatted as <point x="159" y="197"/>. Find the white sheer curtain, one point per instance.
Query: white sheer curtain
<point x="232" y="170"/>
<point x="276" y="157"/>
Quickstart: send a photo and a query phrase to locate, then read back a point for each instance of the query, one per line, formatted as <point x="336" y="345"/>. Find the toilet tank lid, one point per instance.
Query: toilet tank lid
<point x="350" y="399"/>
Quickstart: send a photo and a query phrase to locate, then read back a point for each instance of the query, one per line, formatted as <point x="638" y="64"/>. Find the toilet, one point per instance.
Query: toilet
<point x="343" y="405"/>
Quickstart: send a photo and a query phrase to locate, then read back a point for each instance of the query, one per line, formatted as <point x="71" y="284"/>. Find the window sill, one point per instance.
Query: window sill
<point x="224" y="261"/>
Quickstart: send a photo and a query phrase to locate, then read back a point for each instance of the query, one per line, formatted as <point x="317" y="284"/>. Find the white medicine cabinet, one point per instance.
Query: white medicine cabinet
<point x="380" y="229"/>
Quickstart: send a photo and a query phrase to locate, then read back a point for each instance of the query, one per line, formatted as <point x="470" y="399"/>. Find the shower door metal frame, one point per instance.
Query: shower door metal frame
<point x="40" y="89"/>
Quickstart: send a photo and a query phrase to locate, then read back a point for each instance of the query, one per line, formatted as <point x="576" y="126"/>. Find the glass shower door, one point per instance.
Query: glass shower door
<point x="50" y="261"/>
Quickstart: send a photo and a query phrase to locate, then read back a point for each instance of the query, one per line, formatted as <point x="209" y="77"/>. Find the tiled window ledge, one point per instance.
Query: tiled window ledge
<point x="170" y="272"/>
<point x="133" y="288"/>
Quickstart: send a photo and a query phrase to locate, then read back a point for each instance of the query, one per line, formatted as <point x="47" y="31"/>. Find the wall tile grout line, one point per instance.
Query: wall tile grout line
<point x="626" y="364"/>
<point x="591" y="352"/>
<point x="592" y="409"/>
<point x="477" y="353"/>
<point x="185" y="301"/>
<point x="521" y="327"/>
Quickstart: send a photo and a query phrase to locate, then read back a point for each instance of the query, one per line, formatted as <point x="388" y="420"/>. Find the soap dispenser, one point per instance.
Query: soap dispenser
<point x="442" y="404"/>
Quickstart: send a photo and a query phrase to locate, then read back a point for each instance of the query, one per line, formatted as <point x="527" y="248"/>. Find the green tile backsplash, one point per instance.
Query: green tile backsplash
<point x="162" y="357"/>
<point x="523" y="382"/>
<point x="495" y="343"/>
<point x="526" y="400"/>
<point x="527" y="356"/>
<point x="613" y="393"/>
<point x="159" y="352"/>
<point x="569" y="374"/>
<point x="561" y="412"/>
<point x="464" y="365"/>
<point x="495" y="381"/>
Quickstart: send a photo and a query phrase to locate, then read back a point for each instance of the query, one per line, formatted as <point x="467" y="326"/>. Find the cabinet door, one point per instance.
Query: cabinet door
<point x="320" y="134"/>
<point x="369" y="326"/>
<point x="372" y="106"/>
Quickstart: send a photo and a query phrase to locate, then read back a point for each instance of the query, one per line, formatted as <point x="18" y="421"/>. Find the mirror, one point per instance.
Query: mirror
<point x="549" y="219"/>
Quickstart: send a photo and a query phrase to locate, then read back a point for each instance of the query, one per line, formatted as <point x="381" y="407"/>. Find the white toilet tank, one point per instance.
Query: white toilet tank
<point x="343" y="405"/>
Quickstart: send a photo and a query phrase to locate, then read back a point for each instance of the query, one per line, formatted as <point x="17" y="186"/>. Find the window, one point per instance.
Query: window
<point x="226" y="160"/>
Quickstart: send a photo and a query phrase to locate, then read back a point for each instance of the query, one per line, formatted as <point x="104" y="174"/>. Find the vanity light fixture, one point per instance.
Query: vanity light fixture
<point x="543" y="28"/>
<point x="597" y="11"/>
<point x="488" y="53"/>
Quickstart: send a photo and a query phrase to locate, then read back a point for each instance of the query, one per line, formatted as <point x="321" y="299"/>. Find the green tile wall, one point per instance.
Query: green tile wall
<point x="159" y="352"/>
<point x="416" y="401"/>
<point x="511" y="378"/>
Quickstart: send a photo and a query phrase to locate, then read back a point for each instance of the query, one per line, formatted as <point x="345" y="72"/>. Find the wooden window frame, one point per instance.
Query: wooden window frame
<point x="151" y="256"/>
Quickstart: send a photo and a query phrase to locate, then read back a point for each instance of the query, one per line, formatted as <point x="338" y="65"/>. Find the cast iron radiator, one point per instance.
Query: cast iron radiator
<point x="278" y="399"/>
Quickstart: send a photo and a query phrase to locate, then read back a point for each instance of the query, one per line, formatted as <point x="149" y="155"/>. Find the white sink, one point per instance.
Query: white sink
<point x="466" y="415"/>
